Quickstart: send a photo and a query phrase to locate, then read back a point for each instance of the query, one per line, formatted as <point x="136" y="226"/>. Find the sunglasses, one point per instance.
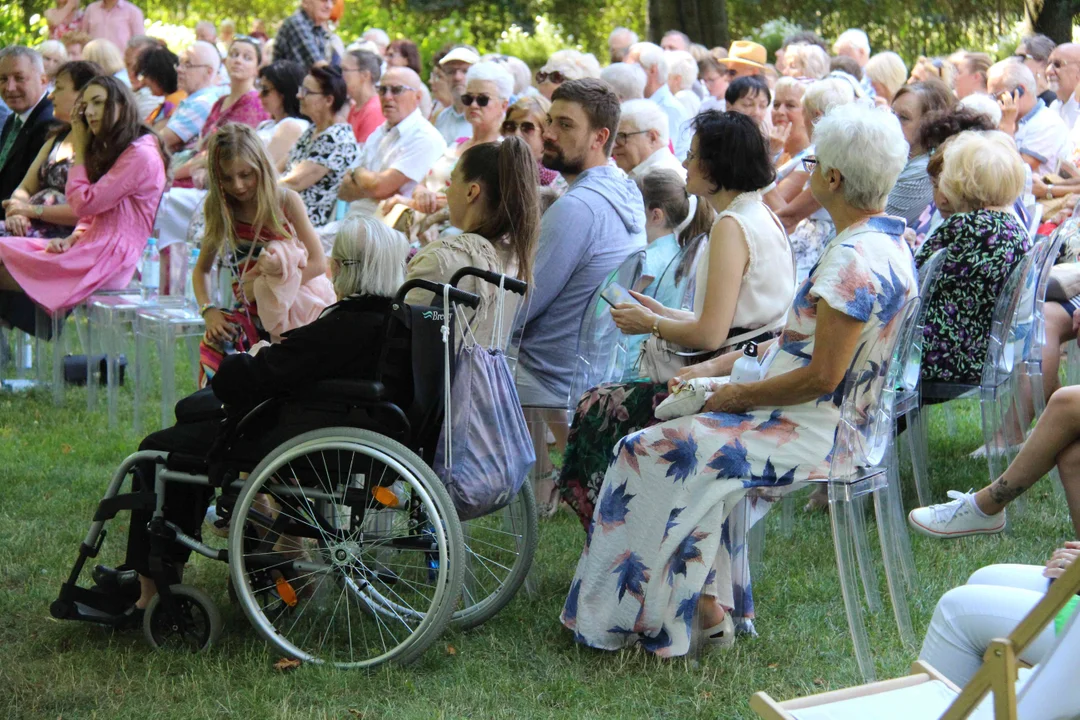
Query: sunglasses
<point x="248" y="39"/>
<point x="554" y="77"/>
<point x="510" y="127"/>
<point x="809" y="163"/>
<point x="394" y="90"/>
<point x="481" y="100"/>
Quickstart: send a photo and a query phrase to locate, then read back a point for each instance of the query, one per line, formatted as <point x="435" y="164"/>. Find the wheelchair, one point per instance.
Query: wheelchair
<point x="344" y="547"/>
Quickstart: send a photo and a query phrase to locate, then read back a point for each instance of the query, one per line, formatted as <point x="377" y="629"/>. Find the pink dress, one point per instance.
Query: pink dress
<point x="116" y="215"/>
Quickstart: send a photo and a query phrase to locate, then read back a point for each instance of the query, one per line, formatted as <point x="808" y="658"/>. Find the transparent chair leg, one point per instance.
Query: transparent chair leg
<point x="87" y="337"/>
<point x="896" y="554"/>
<point x="142" y="380"/>
<point x="950" y="418"/>
<point x="787" y="515"/>
<point x="58" y="338"/>
<point x="841" y="516"/>
<point x="113" y="338"/>
<point x="900" y="540"/>
<point x="862" y="552"/>
<point x="917" y="445"/>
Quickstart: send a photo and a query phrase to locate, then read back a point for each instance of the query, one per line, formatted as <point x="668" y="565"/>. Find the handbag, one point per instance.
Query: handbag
<point x="1064" y="282"/>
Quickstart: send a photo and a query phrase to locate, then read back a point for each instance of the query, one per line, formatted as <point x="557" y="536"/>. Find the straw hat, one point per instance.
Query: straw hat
<point x="745" y="52"/>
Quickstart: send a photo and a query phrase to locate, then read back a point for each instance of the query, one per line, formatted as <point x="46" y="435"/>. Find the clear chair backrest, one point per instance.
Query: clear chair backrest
<point x="1052" y="690"/>
<point x="1001" y="346"/>
<point x="670" y="288"/>
<point x="701" y="253"/>
<point x="1044" y="262"/>
<point x="868" y="396"/>
<point x="601" y="347"/>
<point x="929" y="274"/>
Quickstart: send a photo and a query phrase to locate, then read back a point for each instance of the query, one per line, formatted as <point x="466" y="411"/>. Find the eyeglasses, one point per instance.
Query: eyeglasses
<point x="621" y="138"/>
<point x="394" y="90"/>
<point x="304" y="92"/>
<point x="190" y="66"/>
<point x="265" y="90"/>
<point x="1058" y="64"/>
<point x="553" y="77"/>
<point x="481" y="100"/>
<point x="247" y="39"/>
<point x="731" y="72"/>
<point x="510" y="127"/>
<point x="809" y="163"/>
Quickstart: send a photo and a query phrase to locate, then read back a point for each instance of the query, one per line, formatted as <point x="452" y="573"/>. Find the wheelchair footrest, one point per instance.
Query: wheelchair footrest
<point x="76" y="603"/>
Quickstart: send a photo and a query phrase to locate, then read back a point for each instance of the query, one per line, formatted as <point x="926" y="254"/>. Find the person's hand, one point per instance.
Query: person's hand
<point x="425" y="201"/>
<point x="650" y="303"/>
<point x="1009" y="110"/>
<point x="80" y="131"/>
<point x="388" y="204"/>
<point x="247" y="282"/>
<point x="218" y="327"/>
<point x="727" y="398"/>
<point x="633" y="319"/>
<point x="688" y="373"/>
<point x="778" y="137"/>
<point x="1062" y="558"/>
<point x="60" y="245"/>
<point x="1038" y="187"/>
<point x="17" y="207"/>
<point x="17" y="225"/>
<point x="198" y="178"/>
<point x="1076" y="323"/>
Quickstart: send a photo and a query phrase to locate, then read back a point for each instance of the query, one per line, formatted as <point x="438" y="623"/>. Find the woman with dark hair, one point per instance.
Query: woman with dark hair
<point x="114" y="186"/>
<point x="38" y="207"/>
<point x="493" y="199"/>
<point x="750" y="96"/>
<point x="911" y="104"/>
<point x="157" y="71"/>
<point x="240" y="105"/>
<point x="278" y="85"/>
<point x="403" y="53"/>
<point x="326" y="150"/>
<point x="745" y="281"/>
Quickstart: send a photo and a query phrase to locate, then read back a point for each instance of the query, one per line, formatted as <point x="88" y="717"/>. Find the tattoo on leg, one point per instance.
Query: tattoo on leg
<point x="1002" y="493"/>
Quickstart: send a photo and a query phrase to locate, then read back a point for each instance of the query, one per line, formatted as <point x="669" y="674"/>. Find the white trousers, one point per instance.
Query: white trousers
<point x="991" y="605"/>
<point x="176" y="213"/>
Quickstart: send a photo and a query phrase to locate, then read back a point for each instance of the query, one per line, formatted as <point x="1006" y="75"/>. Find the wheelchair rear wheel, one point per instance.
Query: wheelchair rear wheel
<point x="499" y="550"/>
<point x="351" y="551"/>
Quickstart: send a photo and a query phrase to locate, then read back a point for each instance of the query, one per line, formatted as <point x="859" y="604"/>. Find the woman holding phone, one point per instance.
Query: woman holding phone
<point x="745" y="282"/>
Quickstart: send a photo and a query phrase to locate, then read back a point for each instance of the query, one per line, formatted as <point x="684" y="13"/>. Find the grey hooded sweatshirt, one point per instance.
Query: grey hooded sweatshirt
<point x="584" y="236"/>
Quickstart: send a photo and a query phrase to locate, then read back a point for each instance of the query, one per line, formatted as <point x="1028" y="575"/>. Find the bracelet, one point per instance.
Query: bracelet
<point x="1049" y="191"/>
<point x="206" y="308"/>
<point x="39" y="210"/>
<point x="656" y="327"/>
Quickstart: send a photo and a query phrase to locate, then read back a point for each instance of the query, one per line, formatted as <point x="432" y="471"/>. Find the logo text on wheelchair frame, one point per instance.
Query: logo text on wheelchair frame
<point x="433" y="315"/>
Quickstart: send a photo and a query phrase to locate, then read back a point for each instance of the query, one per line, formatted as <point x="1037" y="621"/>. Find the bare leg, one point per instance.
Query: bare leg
<point x="147" y="591"/>
<point x="1059" y="330"/>
<point x="712" y="612"/>
<point x="1069" y="469"/>
<point x="1057" y="429"/>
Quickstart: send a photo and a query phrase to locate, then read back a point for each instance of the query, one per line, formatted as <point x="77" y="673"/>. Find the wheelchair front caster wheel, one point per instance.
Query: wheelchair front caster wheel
<point x="196" y="627"/>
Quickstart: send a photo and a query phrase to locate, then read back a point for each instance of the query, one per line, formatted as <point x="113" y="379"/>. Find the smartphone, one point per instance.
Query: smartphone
<point x="615" y="294"/>
<point x="1019" y="93"/>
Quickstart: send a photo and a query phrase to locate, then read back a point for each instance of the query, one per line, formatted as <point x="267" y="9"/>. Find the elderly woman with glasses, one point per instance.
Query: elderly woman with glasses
<point x="488" y="87"/>
<point x="565" y="65"/>
<point x="657" y="555"/>
<point x="528" y="119"/>
<point x="325" y="152"/>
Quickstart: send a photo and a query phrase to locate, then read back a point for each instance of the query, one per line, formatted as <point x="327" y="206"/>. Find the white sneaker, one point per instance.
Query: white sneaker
<point x="955" y="519"/>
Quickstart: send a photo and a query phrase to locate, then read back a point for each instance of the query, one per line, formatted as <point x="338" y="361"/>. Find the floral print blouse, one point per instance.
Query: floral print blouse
<point x="982" y="248"/>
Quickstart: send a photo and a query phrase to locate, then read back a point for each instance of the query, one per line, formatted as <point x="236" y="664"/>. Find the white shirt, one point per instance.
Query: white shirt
<point x="690" y="101"/>
<point x="411" y="147"/>
<point x="663" y="159"/>
<point x="1069" y="111"/>
<point x="678" y="126"/>
<point x="711" y="103"/>
<point x="1042" y="135"/>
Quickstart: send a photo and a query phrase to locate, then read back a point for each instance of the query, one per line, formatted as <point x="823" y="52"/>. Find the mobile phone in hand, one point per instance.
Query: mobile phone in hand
<point x="615" y="294"/>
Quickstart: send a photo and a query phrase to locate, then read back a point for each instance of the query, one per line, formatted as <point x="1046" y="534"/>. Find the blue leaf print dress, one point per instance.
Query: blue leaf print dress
<point x="658" y="540"/>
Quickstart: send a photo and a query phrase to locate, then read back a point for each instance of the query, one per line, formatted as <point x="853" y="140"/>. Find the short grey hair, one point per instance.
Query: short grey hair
<point x="573" y="65"/>
<point x="814" y="60"/>
<point x="646" y="115"/>
<point x="493" y="72"/>
<point x="21" y="51"/>
<point x="517" y="68"/>
<point x="984" y="104"/>
<point x="52" y="46"/>
<point x="377" y="36"/>
<point x="368" y="62"/>
<point x="867" y="146"/>
<point x="1013" y="73"/>
<point x="622" y="31"/>
<point x="626" y="79"/>
<point x="649" y="56"/>
<point x="855" y="38"/>
<point x="682" y="64"/>
<point x="206" y="53"/>
<point x="370" y="256"/>
<point x="823" y="95"/>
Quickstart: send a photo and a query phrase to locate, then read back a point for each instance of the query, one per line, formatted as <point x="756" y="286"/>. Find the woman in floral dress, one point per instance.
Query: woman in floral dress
<point x="656" y="556"/>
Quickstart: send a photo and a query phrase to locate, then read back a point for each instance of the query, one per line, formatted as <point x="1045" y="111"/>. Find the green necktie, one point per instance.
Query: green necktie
<point x="9" y="141"/>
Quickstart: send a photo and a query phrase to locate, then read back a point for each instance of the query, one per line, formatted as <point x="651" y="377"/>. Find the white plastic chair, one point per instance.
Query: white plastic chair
<point x="164" y="326"/>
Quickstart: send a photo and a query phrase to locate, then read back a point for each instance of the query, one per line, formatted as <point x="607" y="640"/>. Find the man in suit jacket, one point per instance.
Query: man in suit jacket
<point x="23" y="88"/>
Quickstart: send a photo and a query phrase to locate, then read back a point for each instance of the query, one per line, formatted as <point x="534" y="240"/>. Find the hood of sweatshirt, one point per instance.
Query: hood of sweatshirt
<point x="609" y="184"/>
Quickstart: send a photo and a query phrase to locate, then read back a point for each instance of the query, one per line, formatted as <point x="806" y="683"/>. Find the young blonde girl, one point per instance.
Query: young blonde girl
<point x="265" y="239"/>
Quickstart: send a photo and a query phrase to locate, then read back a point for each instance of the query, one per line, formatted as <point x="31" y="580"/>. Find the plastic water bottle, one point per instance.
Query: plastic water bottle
<point x="747" y="368"/>
<point x="189" y="286"/>
<point x="150" y="270"/>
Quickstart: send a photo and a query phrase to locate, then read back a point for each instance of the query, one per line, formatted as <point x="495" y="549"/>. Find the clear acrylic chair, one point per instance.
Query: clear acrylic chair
<point x="164" y="327"/>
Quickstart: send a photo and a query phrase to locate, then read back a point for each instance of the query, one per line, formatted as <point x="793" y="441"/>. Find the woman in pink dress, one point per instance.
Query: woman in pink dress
<point x="241" y="105"/>
<point x="114" y="186"/>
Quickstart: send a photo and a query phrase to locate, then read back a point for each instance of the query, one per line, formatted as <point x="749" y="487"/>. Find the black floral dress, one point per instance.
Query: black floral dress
<point x="336" y="150"/>
<point x="983" y="247"/>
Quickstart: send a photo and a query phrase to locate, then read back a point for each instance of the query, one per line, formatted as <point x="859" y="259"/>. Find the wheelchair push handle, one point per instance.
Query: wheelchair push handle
<point x="511" y="284"/>
<point x="458" y="296"/>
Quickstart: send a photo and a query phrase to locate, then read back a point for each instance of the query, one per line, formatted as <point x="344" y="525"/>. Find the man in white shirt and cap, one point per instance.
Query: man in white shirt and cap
<point x="451" y="122"/>
<point x="641" y="144"/>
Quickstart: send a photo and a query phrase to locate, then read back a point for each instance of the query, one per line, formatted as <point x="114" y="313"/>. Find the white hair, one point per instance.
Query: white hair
<point x="206" y="53"/>
<point x="867" y="146"/>
<point x="492" y="72"/>
<point x="823" y="95"/>
<point x="365" y="45"/>
<point x="573" y="65"/>
<point x="628" y="80"/>
<point x="855" y="38"/>
<point x="371" y="257"/>
<point x="18" y="51"/>
<point x="646" y="115"/>
<point x="377" y="36"/>
<point x="985" y="105"/>
<point x="682" y="64"/>
<point x="622" y="31"/>
<point x="814" y="60"/>
<point x="1013" y="73"/>
<point x="517" y="68"/>
<point x="53" y="46"/>
<point x="650" y="56"/>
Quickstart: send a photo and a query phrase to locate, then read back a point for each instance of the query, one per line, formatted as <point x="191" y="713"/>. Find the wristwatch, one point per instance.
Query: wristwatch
<point x="1049" y="191"/>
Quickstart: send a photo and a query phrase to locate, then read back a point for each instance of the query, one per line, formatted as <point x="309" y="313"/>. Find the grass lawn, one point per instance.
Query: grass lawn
<point x="54" y="464"/>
